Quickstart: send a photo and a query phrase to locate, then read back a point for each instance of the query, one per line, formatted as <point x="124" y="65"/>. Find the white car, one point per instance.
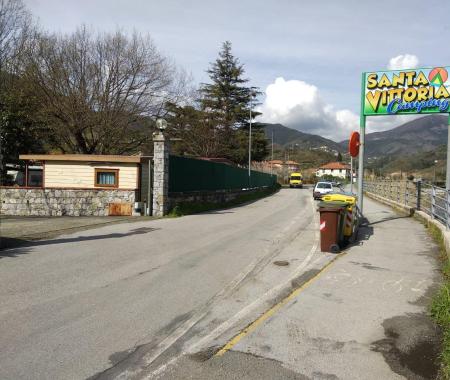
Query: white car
<point x="321" y="189"/>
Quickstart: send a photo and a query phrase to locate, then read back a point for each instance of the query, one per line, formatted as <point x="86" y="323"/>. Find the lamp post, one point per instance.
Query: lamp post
<point x="250" y="142"/>
<point x="253" y="94"/>
<point x="434" y="171"/>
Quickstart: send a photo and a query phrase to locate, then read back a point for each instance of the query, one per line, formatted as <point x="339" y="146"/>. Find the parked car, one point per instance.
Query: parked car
<point x="321" y="189"/>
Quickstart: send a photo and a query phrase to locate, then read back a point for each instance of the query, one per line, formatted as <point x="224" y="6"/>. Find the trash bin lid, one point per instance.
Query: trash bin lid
<point x="350" y="199"/>
<point x="332" y="206"/>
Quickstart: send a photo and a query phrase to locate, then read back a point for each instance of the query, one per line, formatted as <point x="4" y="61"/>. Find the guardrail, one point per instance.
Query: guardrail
<point x="423" y="196"/>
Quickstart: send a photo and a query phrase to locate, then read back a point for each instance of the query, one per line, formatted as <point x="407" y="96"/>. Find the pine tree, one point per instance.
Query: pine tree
<point x="228" y="100"/>
<point x="227" y="97"/>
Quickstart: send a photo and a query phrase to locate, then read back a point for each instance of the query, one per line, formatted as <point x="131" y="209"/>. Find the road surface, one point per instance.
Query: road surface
<point x="94" y="301"/>
<point x="363" y="315"/>
<point x="242" y="293"/>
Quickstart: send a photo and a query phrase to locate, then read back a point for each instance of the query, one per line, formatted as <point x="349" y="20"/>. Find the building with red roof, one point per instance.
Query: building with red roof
<point x="335" y="169"/>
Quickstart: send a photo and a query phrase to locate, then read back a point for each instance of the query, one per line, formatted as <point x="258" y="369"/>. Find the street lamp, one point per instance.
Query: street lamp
<point x="434" y="171"/>
<point x="161" y="124"/>
<point x="252" y="95"/>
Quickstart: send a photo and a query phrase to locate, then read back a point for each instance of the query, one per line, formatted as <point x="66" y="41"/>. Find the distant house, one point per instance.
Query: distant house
<point x="289" y="165"/>
<point x="292" y="166"/>
<point x="276" y="164"/>
<point x="335" y="169"/>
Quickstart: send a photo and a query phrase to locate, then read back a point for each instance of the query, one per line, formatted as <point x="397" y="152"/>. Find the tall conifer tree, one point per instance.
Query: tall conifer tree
<point x="227" y="96"/>
<point x="228" y="99"/>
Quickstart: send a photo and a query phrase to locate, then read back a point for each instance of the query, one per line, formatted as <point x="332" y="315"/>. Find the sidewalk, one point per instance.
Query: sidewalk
<point x="364" y="317"/>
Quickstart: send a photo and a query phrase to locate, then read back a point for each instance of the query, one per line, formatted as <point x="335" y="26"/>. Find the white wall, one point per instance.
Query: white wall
<point x="342" y="173"/>
<point x="72" y="174"/>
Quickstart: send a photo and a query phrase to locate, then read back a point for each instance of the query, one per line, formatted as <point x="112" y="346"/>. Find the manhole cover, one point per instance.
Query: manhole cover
<point x="281" y="263"/>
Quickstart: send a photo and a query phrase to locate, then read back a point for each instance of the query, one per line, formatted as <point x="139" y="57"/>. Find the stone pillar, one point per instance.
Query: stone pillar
<point x="160" y="174"/>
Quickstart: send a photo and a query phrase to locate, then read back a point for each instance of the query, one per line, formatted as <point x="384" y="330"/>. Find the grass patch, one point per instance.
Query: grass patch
<point x="187" y="208"/>
<point x="440" y="305"/>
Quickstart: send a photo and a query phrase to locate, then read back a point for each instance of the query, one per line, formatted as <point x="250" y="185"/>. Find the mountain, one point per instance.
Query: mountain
<point x="284" y="137"/>
<point x="419" y="135"/>
<point x="423" y="134"/>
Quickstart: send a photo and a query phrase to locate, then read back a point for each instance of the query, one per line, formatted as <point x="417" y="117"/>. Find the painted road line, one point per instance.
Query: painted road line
<point x="162" y="368"/>
<point x="185" y="327"/>
<point x="270" y="294"/>
<point x="228" y="346"/>
<point x="246" y="310"/>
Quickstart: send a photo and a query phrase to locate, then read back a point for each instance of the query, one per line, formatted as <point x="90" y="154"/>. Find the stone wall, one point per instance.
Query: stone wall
<point x="218" y="197"/>
<point x="59" y="202"/>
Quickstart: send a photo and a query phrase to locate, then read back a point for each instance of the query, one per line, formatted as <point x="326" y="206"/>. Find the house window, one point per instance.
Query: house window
<point x="107" y="177"/>
<point x="34" y="178"/>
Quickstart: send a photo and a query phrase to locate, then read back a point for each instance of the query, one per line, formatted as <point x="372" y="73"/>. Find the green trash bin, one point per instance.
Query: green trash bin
<point x="332" y="221"/>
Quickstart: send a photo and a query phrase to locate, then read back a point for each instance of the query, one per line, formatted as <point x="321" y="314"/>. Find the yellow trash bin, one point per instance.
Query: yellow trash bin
<point x="350" y="212"/>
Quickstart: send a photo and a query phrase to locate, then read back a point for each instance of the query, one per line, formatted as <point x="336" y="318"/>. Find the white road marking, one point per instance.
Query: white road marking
<point x="239" y="315"/>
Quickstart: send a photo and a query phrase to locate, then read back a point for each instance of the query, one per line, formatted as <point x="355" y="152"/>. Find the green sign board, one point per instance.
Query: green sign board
<point x="406" y="91"/>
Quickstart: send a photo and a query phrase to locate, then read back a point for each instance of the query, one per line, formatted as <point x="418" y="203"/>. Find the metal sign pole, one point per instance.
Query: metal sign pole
<point x="351" y="174"/>
<point x="362" y="125"/>
<point x="447" y="178"/>
<point x="361" y="164"/>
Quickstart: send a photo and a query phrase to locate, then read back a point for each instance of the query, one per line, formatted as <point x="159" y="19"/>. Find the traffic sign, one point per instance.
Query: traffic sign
<point x="353" y="144"/>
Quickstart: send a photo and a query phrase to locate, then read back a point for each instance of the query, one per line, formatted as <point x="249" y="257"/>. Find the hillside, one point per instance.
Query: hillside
<point x="423" y="134"/>
<point x="284" y="137"/>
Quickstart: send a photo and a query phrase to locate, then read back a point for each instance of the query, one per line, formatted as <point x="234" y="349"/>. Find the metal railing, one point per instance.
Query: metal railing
<point x="423" y="196"/>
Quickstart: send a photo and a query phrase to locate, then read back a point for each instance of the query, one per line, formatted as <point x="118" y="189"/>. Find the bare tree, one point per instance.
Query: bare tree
<point x="15" y="27"/>
<point x="100" y="92"/>
<point x="196" y="132"/>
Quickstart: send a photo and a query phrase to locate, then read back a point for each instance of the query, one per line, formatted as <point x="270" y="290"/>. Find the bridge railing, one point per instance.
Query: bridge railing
<point x="421" y="195"/>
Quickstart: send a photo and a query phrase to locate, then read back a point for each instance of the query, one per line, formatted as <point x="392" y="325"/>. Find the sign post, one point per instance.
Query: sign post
<point x="351" y="174"/>
<point x="353" y="149"/>
<point x="403" y="92"/>
<point x="362" y="140"/>
<point x="447" y="177"/>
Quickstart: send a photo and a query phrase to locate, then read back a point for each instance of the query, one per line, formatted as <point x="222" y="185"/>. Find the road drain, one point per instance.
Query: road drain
<point x="281" y="263"/>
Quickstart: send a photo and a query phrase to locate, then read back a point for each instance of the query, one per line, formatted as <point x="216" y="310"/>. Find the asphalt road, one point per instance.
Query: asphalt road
<point x="242" y="293"/>
<point x="117" y="300"/>
<point x="363" y="315"/>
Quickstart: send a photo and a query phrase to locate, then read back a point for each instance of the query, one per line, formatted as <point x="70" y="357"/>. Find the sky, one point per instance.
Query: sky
<point x="307" y="57"/>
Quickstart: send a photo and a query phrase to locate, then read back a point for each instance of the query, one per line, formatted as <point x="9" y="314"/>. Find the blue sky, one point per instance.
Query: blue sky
<point x="323" y="43"/>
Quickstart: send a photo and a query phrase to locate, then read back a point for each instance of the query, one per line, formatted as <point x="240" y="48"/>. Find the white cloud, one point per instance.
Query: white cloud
<point x="297" y="104"/>
<point x="403" y="61"/>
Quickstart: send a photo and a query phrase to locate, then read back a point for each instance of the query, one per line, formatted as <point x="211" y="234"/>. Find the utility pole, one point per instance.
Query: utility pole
<point x="250" y="143"/>
<point x="271" y="164"/>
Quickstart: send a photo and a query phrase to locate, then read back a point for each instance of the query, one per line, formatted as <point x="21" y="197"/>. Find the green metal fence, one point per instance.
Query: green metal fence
<point x="190" y="174"/>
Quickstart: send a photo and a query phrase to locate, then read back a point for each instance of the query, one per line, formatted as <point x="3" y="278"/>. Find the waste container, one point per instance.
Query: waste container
<point x="332" y="215"/>
<point x="350" y="214"/>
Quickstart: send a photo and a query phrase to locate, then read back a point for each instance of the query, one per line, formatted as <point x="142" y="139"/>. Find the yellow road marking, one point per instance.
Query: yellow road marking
<point x="252" y="326"/>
